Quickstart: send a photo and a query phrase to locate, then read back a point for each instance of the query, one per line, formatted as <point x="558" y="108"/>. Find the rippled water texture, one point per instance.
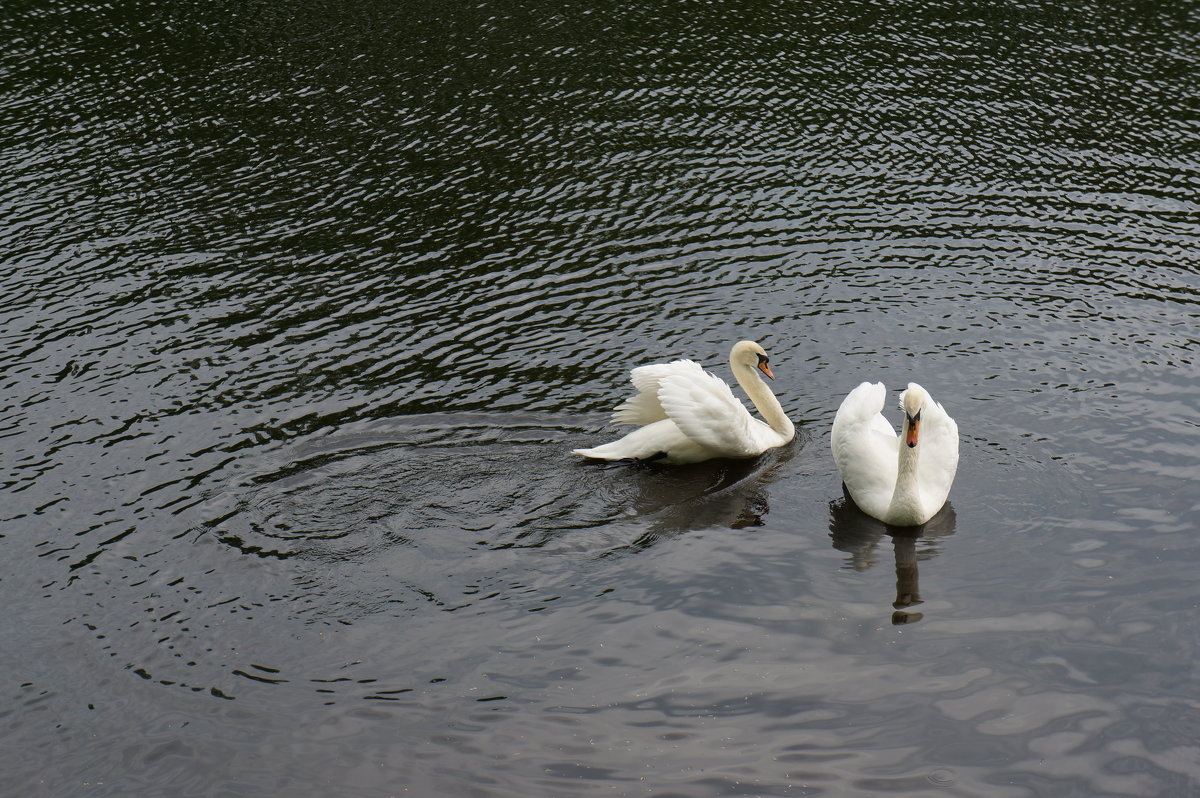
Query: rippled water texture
<point x="305" y="304"/>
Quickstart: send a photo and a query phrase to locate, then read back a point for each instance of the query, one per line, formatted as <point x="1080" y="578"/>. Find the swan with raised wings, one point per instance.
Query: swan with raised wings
<point x="901" y="480"/>
<point x="686" y="415"/>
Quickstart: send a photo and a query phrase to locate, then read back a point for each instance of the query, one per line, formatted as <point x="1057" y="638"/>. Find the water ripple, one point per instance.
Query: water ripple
<point x="304" y="306"/>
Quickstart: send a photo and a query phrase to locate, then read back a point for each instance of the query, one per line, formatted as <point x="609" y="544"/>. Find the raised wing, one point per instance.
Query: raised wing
<point x="644" y="407"/>
<point x="707" y="412"/>
<point x="865" y="447"/>
<point x="939" y="460"/>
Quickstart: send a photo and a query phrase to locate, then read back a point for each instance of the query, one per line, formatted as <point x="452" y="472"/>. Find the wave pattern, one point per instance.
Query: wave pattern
<point x="303" y="304"/>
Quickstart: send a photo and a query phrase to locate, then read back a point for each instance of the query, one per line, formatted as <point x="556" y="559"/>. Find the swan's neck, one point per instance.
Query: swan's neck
<point x="905" y="508"/>
<point x="764" y="401"/>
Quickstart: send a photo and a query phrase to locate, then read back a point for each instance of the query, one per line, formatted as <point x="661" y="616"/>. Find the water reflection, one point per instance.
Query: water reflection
<point x="716" y="493"/>
<point x="858" y="534"/>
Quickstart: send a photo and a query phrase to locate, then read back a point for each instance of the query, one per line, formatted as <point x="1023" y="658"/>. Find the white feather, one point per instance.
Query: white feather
<point x="887" y="479"/>
<point x="644" y="407"/>
<point x="685" y="415"/>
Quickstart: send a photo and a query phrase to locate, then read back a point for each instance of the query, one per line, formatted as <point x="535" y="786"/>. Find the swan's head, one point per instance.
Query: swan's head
<point x="912" y="401"/>
<point x="750" y="355"/>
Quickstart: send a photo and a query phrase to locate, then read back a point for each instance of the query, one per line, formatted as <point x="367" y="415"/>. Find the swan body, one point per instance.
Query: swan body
<point x="901" y="480"/>
<point x="684" y="414"/>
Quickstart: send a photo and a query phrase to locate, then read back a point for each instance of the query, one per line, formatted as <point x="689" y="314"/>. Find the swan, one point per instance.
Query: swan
<point x="686" y="415"/>
<point x="901" y="480"/>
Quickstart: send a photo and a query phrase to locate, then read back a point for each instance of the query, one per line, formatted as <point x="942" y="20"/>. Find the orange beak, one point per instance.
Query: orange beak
<point x="910" y="437"/>
<point x="765" y="369"/>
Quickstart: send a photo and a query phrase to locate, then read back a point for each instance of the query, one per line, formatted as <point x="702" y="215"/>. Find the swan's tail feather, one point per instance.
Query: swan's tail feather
<point x="608" y="451"/>
<point x="654" y="441"/>
<point x="614" y="456"/>
<point x="593" y="453"/>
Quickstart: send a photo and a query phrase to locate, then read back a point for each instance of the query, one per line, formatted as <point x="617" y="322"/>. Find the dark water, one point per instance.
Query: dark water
<point x="304" y="305"/>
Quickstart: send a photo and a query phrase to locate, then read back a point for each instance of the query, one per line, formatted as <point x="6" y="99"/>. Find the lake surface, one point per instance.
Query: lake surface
<point x="304" y="305"/>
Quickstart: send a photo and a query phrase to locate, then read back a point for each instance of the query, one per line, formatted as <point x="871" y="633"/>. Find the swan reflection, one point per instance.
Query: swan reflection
<point x="716" y="493"/>
<point x="858" y="534"/>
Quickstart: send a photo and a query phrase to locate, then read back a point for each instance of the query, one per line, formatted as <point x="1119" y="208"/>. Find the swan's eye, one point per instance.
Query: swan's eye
<point x="914" y="419"/>
<point x="762" y="359"/>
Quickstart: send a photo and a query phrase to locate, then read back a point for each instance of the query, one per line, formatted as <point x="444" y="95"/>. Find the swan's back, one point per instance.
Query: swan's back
<point x="865" y="448"/>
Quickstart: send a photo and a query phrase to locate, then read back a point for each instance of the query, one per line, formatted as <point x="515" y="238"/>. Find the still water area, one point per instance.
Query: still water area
<point x="305" y="304"/>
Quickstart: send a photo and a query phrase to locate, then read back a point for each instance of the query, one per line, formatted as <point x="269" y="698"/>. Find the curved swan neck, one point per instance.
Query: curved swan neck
<point x="906" y="497"/>
<point x="764" y="400"/>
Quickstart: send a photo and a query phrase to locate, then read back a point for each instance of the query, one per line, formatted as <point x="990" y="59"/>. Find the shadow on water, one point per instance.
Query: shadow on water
<point x="673" y="500"/>
<point x="858" y="534"/>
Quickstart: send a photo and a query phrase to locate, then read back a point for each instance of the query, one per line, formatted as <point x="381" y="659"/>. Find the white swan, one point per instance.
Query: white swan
<point x="902" y="480"/>
<point x="686" y="415"/>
